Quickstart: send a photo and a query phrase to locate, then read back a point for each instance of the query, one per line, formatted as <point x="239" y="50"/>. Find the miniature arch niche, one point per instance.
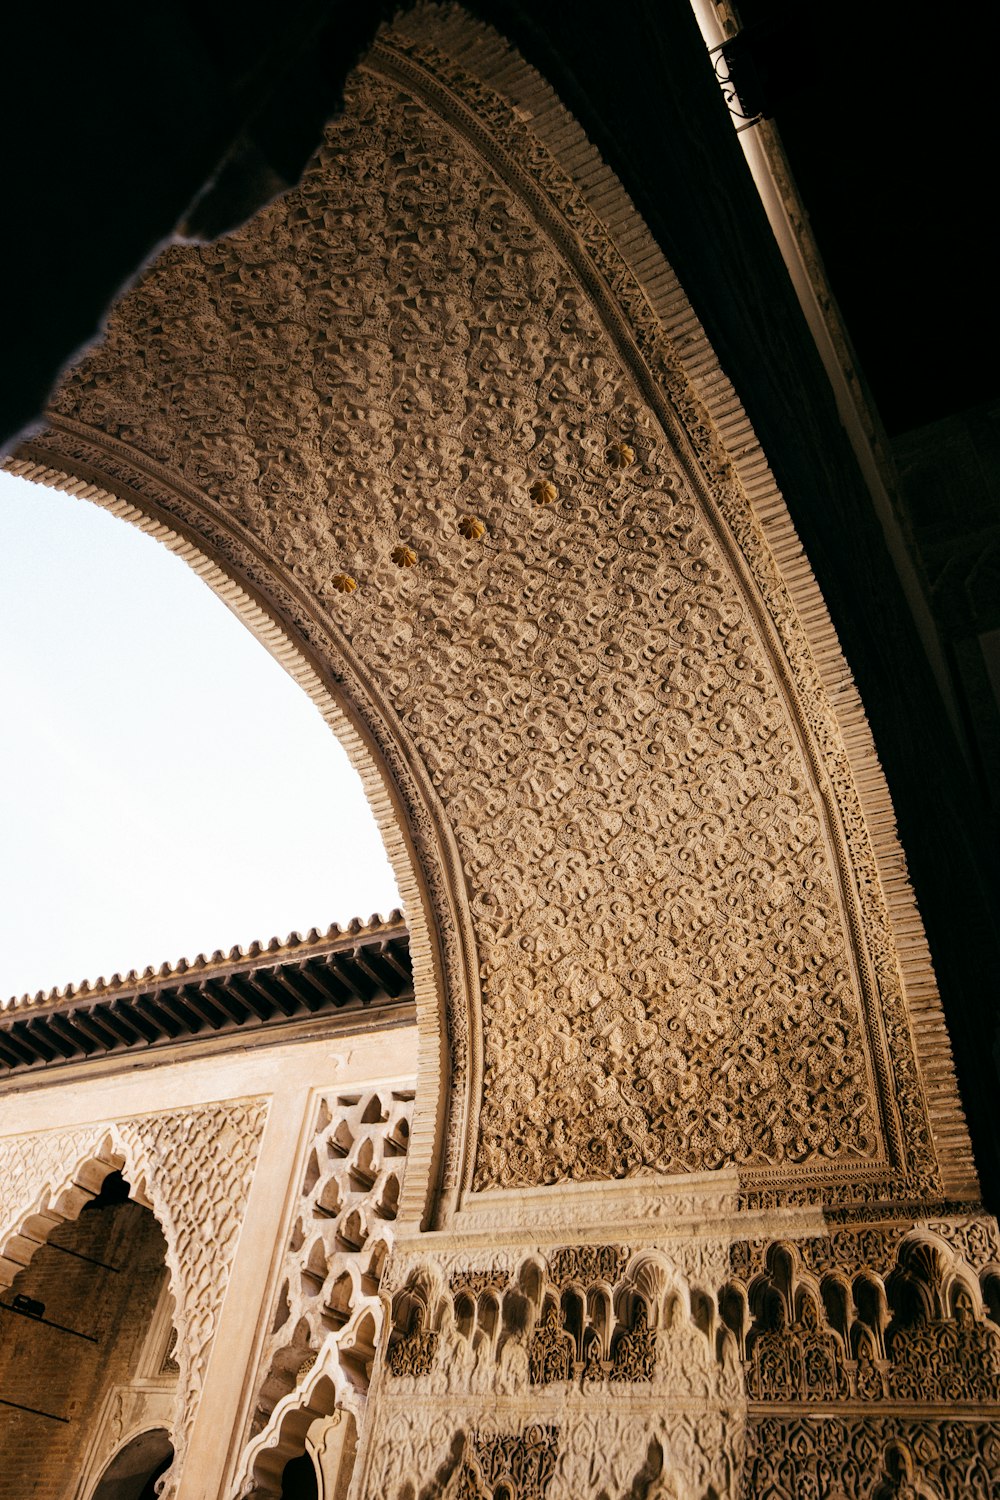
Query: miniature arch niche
<point x="386" y="803"/>
<point x="313" y="1427"/>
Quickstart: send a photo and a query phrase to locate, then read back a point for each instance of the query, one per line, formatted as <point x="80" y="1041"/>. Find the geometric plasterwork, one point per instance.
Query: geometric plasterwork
<point x="193" y="1167"/>
<point x="665" y="905"/>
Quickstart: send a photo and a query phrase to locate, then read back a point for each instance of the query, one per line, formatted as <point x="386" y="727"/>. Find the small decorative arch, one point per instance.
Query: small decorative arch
<point x="324" y="1391"/>
<point x="134" y="1470"/>
<point x="219" y="1140"/>
<point x="69" y="1189"/>
<point x="70" y="1177"/>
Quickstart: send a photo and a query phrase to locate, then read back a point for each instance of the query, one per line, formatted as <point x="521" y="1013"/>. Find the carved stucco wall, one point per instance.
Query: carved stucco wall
<point x="627" y="754"/>
<point x="192" y="1167"/>
<point x="441" y="424"/>
<point x="857" y="1366"/>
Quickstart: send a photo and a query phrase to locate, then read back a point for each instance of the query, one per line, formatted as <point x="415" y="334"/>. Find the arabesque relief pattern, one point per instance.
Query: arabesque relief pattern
<point x="885" y="1459"/>
<point x="704" y="1388"/>
<point x="677" y="970"/>
<point x="193" y="1167"/>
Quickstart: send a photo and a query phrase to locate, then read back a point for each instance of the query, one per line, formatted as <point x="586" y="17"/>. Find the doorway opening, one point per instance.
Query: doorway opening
<point x="86" y="1351"/>
<point x="133" y="1472"/>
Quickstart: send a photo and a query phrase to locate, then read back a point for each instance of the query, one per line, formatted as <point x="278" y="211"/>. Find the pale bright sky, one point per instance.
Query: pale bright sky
<point x="165" y="787"/>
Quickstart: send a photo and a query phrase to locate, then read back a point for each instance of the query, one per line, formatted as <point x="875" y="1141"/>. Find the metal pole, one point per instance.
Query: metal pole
<point x="63" y="1250"/>
<point x="48" y="1323"/>
<point x="35" y="1411"/>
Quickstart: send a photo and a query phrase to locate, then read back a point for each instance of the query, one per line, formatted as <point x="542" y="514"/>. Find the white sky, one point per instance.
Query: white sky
<point x="165" y="787"/>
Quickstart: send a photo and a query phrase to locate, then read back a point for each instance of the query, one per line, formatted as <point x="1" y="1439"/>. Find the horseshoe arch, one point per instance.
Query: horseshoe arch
<point x="443" y="426"/>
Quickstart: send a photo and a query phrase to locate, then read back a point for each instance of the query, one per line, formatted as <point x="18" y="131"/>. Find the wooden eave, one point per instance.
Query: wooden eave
<point x="301" y="981"/>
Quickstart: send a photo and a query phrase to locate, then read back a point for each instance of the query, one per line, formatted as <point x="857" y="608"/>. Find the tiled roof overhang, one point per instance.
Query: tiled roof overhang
<point x="339" y="976"/>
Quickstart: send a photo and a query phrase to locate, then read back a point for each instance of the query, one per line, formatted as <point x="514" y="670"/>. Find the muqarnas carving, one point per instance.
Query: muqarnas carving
<point x="924" y="1334"/>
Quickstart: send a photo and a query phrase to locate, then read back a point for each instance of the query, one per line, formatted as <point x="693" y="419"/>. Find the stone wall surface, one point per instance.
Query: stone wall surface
<point x="690" y="1209"/>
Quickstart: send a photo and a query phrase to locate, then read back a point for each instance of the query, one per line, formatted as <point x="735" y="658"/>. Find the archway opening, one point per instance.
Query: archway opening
<point x="133" y="1472"/>
<point x="150" y="720"/>
<point x="298" y="1482"/>
<point x="87" y="1352"/>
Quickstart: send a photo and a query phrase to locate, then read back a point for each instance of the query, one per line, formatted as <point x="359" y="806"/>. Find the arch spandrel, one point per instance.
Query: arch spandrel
<point x="605" y="669"/>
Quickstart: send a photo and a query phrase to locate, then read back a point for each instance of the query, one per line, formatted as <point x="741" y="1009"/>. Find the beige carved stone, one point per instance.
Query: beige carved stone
<point x="327" y="1317"/>
<point x="543" y="492"/>
<point x="671" y="883"/>
<point x="620" y="455"/>
<point x="690" y="1209"/>
<point x="192" y="1167"/>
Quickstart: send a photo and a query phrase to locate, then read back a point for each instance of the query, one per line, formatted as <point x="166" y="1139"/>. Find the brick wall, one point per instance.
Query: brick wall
<point x="42" y="1367"/>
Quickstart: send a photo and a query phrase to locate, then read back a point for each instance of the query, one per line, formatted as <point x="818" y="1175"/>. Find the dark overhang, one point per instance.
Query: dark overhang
<point x="296" y="983"/>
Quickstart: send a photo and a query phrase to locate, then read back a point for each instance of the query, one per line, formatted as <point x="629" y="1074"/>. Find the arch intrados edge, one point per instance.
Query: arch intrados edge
<point x="733" y="458"/>
<point x="149" y="1430"/>
<point x="387" y="803"/>
<point x="62" y="1200"/>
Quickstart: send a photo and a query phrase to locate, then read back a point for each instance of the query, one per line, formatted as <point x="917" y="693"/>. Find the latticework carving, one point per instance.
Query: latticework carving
<point x="588" y="1263"/>
<point x="328" y="1303"/>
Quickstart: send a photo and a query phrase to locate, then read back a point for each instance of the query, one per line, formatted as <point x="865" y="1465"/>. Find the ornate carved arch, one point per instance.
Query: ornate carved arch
<point x="655" y="849"/>
<point x="325" y="1389"/>
<point x="191" y="1167"/>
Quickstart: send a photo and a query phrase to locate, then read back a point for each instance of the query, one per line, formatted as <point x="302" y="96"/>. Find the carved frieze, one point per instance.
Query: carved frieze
<point x="800" y="1458"/>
